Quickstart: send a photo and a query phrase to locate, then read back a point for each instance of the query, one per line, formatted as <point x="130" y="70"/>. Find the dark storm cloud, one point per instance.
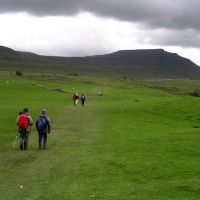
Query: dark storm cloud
<point x="173" y="14"/>
<point x="178" y="18"/>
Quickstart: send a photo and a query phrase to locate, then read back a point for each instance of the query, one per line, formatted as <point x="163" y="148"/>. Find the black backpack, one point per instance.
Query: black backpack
<point x="83" y="98"/>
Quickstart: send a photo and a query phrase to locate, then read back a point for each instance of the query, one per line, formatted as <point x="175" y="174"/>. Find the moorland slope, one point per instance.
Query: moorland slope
<point x="145" y="63"/>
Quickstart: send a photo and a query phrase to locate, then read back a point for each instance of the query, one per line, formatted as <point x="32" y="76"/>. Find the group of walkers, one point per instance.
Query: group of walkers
<point x="76" y="98"/>
<point x="24" y="122"/>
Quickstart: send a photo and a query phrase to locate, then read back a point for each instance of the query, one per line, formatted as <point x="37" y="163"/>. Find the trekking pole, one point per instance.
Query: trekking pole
<point x="14" y="143"/>
<point x="30" y="137"/>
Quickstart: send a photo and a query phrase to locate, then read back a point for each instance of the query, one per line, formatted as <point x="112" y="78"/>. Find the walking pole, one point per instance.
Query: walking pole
<point x="30" y="137"/>
<point x="14" y="143"/>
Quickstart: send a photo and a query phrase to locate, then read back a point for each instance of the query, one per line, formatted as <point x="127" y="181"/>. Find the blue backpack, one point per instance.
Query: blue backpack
<point x="41" y="124"/>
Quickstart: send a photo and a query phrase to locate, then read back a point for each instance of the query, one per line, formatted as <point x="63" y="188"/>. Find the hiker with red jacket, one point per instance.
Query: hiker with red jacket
<point x="76" y="99"/>
<point x="43" y="127"/>
<point x="24" y="122"/>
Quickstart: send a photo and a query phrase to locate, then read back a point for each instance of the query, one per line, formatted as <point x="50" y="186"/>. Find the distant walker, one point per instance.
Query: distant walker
<point x="76" y="99"/>
<point x="82" y="99"/>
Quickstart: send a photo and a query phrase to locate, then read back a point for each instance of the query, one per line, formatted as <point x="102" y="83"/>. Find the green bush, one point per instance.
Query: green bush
<point x="75" y="74"/>
<point x="196" y="92"/>
<point x="18" y="73"/>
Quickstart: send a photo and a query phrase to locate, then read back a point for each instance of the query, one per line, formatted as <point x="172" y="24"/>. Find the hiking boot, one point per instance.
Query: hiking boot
<point x="21" y="146"/>
<point x="25" y="146"/>
<point x="45" y="145"/>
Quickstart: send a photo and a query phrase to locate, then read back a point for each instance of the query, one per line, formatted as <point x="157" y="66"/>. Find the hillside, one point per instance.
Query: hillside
<point x="132" y="143"/>
<point x="147" y="63"/>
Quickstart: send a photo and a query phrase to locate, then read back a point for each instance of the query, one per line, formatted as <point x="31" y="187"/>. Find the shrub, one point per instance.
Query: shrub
<point x="124" y="77"/>
<point x="18" y="73"/>
<point x="75" y="74"/>
<point x="196" y="92"/>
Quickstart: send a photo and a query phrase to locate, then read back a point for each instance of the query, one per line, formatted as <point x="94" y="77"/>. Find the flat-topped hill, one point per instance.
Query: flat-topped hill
<point x="144" y="63"/>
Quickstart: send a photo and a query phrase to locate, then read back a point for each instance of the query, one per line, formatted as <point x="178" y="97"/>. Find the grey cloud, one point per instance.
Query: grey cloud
<point x="178" y="18"/>
<point x="188" y="38"/>
<point x="39" y="7"/>
<point x="173" y="14"/>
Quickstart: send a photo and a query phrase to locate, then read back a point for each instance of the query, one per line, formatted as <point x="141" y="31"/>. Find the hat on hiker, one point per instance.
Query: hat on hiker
<point x="44" y="111"/>
<point x="26" y="110"/>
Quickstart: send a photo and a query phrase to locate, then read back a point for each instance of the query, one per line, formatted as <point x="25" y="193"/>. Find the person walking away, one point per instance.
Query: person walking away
<point x="83" y="99"/>
<point x="43" y="128"/>
<point x="24" y="123"/>
<point x="76" y="99"/>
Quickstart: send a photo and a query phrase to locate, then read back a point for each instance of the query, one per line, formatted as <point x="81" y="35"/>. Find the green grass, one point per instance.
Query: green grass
<point x="134" y="142"/>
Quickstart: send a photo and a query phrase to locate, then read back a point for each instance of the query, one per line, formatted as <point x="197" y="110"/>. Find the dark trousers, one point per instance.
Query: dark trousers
<point x="24" y="140"/>
<point x="82" y="101"/>
<point x="42" y="137"/>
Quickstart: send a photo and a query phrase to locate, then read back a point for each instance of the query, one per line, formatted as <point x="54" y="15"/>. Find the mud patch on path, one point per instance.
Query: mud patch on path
<point x="59" y="90"/>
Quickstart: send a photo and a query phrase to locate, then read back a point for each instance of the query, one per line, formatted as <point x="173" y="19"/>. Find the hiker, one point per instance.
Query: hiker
<point x="76" y="99"/>
<point x="43" y="127"/>
<point x="82" y="99"/>
<point x="24" y="122"/>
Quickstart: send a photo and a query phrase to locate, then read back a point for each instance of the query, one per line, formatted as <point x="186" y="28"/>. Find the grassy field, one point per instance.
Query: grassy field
<point x="134" y="142"/>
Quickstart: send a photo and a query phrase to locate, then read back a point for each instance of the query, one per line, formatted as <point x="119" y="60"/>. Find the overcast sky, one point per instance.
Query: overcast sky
<point x="88" y="27"/>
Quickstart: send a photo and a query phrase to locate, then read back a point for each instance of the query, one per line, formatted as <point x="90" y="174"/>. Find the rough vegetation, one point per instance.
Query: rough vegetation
<point x="126" y="64"/>
<point x="134" y="142"/>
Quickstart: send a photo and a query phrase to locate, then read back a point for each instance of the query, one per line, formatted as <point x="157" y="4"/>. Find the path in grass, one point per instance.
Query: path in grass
<point x="132" y="143"/>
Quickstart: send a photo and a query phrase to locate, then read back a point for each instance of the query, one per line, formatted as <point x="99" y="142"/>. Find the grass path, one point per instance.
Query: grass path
<point x="132" y="143"/>
<point x="55" y="173"/>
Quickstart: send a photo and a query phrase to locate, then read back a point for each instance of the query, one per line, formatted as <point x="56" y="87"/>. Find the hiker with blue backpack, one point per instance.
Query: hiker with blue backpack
<point x="24" y="123"/>
<point x="43" y="128"/>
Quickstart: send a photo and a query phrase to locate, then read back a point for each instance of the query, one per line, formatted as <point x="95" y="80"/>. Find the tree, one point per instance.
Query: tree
<point x="18" y="73"/>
